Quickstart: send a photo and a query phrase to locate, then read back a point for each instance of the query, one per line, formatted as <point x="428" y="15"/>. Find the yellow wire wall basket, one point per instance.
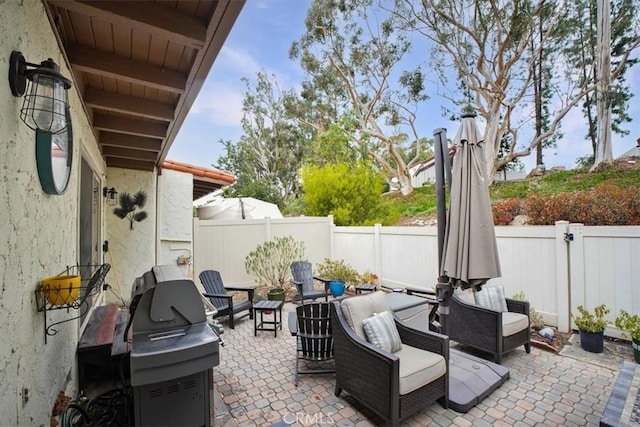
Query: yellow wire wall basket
<point x="61" y="290"/>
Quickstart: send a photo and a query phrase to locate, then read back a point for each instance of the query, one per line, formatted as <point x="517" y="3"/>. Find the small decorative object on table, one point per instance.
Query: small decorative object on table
<point x="592" y="326"/>
<point x="630" y="324"/>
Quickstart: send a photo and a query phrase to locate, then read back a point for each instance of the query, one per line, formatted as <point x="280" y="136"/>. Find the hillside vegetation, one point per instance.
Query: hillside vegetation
<point x="608" y="197"/>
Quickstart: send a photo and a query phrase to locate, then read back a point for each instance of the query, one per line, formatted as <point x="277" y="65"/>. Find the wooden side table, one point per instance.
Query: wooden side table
<point x="267" y="325"/>
<point x="366" y="287"/>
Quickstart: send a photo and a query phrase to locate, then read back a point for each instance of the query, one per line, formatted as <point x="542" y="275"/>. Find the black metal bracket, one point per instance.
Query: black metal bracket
<point x="568" y="237"/>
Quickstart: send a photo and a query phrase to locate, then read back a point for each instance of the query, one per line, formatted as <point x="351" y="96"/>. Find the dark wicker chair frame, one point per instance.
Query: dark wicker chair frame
<point x="481" y="327"/>
<point x="303" y="278"/>
<point x="372" y="376"/>
<point x="314" y="339"/>
<point x="223" y="302"/>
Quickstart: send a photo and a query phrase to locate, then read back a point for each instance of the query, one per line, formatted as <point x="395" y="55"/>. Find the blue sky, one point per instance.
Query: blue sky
<point x="260" y="40"/>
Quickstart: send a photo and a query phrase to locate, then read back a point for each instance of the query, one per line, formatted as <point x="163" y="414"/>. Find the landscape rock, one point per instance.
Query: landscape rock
<point x="520" y="220"/>
<point x="537" y="171"/>
<point x="557" y="169"/>
<point x="546" y="332"/>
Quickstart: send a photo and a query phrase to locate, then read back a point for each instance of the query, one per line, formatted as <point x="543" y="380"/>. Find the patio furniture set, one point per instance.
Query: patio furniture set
<point x="396" y="366"/>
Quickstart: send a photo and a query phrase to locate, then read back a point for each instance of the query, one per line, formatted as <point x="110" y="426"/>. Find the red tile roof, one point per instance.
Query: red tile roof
<point x="205" y="180"/>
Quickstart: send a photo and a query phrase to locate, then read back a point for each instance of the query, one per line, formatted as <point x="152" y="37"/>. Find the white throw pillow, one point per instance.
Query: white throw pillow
<point x="381" y="331"/>
<point x="492" y="297"/>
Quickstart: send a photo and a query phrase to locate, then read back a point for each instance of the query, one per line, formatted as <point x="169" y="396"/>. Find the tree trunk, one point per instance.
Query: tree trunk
<point x="404" y="181"/>
<point x="492" y="138"/>
<point x="604" y="153"/>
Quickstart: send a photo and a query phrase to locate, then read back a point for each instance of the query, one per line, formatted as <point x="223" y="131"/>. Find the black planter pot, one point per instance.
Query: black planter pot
<point x="636" y="350"/>
<point x="276" y="294"/>
<point x="592" y="341"/>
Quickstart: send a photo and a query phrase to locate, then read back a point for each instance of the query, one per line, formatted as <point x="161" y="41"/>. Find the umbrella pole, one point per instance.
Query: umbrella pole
<point x="441" y="152"/>
<point x="443" y="167"/>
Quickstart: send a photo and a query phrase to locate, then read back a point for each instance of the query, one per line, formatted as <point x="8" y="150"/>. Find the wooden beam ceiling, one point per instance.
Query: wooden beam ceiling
<point x="111" y="101"/>
<point x="116" y="162"/>
<point x="127" y="70"/>
<point x="150" y="17"/>
<point x="129" y="153"/>
<point x="119" y="124"/>
<point x="130" y="141"/>
<point x="138" y="66"/>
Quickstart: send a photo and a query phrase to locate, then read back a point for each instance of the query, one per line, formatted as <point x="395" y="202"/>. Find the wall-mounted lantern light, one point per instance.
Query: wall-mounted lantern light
<point x="111" y="195"/>
<point x="45" y="102"/>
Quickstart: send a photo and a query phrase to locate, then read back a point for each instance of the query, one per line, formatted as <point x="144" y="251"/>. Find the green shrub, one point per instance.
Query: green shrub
<point x="349" y="192"/>
<point x="629" y="323"/>
<point x="270" y="262"/>
<point x="591" y="322"/>
<point x="337" y="269"/>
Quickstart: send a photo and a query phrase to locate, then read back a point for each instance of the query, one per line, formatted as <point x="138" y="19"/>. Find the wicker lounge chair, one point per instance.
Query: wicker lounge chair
<point x="314" y="340"/>
<point x="486" y="329"/>
<point x="223" y="302"/>
<point x="393" y="385"/>
<point x="303" y="278"/>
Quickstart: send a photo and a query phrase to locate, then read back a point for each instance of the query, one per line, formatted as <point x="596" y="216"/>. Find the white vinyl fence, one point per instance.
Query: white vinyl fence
<point x="558" y="267"/>
<point x="224" y="244"/>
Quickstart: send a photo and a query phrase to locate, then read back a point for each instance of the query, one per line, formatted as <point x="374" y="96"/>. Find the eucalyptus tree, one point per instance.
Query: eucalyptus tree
<point x="493" y="45"/>
<point x="582" y="48"/>
<point x="353" y="52"/>
<point x="604" y="152"/>
<point x="542" y="78"/>
<point x="271" y="149"/>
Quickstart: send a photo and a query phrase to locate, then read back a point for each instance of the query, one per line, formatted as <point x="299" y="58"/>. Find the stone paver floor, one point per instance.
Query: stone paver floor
<point x="254" y="387"/>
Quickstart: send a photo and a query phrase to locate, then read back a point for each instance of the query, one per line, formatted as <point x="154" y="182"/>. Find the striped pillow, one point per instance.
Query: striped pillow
<point x="492" y="297"/>
<point x="381" y="331"/>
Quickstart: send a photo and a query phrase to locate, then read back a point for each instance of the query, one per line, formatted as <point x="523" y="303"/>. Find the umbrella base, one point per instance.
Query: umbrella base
<point x="471" y="379"/>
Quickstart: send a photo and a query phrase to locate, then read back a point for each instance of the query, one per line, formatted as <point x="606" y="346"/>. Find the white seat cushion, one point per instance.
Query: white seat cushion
<point x="418" y="367"/>
<point x="358" y="308"/>
<point x="513" y="323"/>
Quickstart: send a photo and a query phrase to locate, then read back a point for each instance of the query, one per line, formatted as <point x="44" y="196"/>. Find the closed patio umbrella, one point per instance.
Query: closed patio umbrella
<point x="470" y="254"/>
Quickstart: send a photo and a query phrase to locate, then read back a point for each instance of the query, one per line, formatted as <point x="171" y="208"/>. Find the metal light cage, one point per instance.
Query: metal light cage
<point x="111" y="195"/>
<point x="45" y="103"/>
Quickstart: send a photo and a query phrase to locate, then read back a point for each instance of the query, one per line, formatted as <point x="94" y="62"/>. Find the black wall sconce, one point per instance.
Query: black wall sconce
<point x="111" y="195"/>
<point x="45" y="102"/>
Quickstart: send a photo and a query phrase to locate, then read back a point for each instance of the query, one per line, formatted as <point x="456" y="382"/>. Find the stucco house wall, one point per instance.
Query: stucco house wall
<point x="38" y="233"/>
<point x="131" y="252"/>
<point x="175" y="218"/>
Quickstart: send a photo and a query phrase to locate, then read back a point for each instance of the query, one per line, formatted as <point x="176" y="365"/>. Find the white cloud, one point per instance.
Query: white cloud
<point x="238" y="60"/>
<point x="221" y="104"/>
<point x="262" y="4"/>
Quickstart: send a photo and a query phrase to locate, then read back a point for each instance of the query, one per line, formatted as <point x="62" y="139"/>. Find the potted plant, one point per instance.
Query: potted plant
<point x="269" y="263"/>
<point x="339" y="273"/>
<point x="631" y="324"/>
<point x="591" y="326"/>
